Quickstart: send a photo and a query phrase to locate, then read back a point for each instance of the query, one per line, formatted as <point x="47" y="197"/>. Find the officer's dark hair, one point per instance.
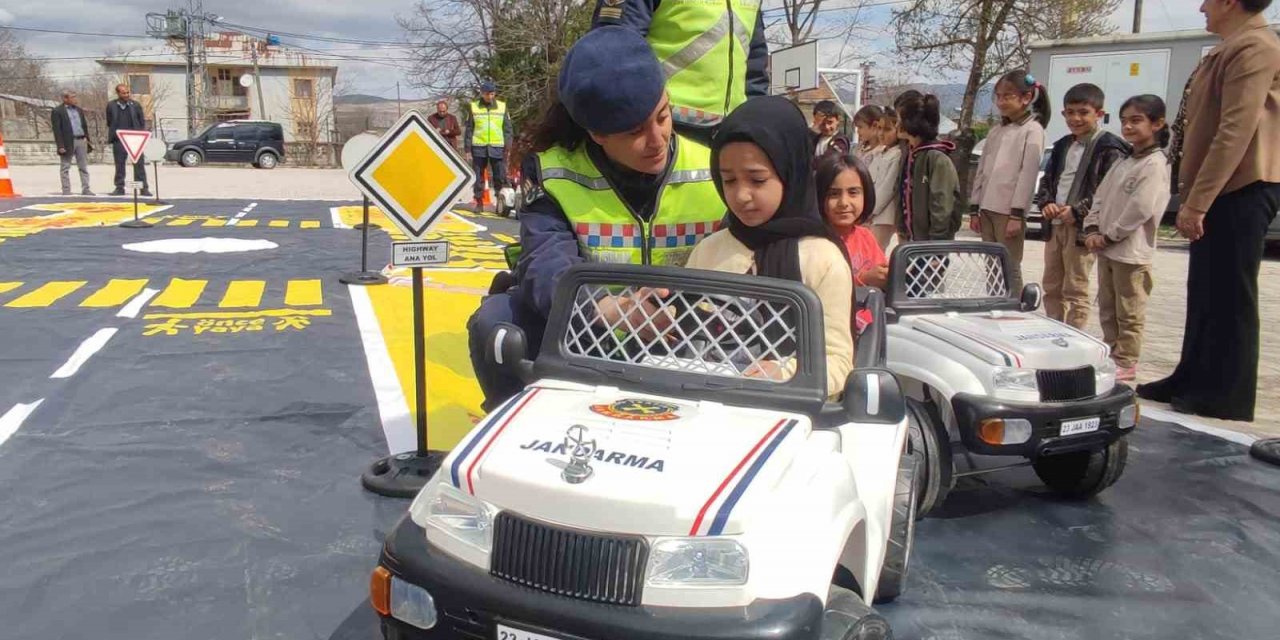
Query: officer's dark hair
<point x="870" y="114"/>
<point x="1151" y="106"/>
<point x="557" y="128"/>
<point x="1255" y="6"/>
<point x="1085" y="93"/>
<point x="920" y="116"/>
<point x="826" y="108"/>
<point x="829" y="168"/>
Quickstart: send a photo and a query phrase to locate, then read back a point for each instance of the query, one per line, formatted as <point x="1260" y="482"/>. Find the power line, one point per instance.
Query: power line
<point x="78" y="33"/>
<point x="852" y="7"/>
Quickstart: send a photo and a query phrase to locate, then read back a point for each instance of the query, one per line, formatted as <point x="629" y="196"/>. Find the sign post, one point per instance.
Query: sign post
<point x="154" y="151"/>
<point x="353" y="152"/>
<point x="414" y="176"/>
<point x="133" y="143"/>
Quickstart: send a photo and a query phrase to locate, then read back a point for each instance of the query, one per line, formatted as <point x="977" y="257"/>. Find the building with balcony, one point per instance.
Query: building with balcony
<point x="291" y="87"/>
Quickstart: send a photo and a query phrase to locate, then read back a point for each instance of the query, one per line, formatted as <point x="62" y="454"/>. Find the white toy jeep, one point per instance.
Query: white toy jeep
<point x="643" y="485"/>
<point x="985" y="375"/>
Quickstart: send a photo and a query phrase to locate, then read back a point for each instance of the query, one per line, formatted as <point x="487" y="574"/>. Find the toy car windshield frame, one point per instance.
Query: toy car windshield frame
<point x="562" y="354"/>
<point x="941" y="275"/>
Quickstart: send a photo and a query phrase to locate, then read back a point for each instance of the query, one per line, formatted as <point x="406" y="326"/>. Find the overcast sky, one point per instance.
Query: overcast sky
<point x="373" y="20"/>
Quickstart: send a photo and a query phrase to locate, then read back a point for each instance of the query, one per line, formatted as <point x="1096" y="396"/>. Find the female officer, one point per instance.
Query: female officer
<point x="617" y="186"/>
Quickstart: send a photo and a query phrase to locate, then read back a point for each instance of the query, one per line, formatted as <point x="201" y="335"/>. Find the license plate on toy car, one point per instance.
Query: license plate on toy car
<point x="509" y="633"/>
<point x="1084" y="425"/>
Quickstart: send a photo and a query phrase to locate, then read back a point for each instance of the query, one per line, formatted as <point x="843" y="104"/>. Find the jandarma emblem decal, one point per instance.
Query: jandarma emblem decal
<point x="634" y="409"/>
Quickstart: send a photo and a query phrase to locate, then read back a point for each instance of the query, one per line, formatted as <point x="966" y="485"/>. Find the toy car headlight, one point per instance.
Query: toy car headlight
<point x="455" y="513"/>
<point x="697" y="562"/>
<point x="1128" y="417"/>
<point x="1105" y="375"/>
<point x="1014" y="379"/>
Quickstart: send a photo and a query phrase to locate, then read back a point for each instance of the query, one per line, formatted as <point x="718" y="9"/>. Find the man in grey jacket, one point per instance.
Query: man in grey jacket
<point x="125" y="113"/>
<point x="71" y="134"/>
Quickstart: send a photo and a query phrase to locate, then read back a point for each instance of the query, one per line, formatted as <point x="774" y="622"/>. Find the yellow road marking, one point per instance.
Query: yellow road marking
<point x="301" y="293"/>
<point x="243" y="293"/>
<point x="47" y="294"/>
<point x="310" y="224"/>
<point x="247" y="223"/>
<point x="180" y="293"/>
<point x="227" y="315"/>
<point x="115" y="293"/>
<point x="278" y="223"/>
<point x="9" y="286"/>
<point x="180" y="222"/>
<point x="215" y="222"/>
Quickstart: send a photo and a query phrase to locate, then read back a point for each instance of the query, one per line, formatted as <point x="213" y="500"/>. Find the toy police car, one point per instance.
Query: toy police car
<point x="646" y="485"/>
<point x="986" y="375"/>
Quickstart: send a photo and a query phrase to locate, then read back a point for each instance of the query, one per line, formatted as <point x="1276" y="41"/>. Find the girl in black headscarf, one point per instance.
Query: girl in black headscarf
<point x="761" y="162"/>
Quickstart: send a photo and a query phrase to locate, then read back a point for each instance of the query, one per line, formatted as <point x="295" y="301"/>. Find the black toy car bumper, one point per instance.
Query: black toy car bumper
<point x="471" y="603"/>
<point x="1046" y="423"/>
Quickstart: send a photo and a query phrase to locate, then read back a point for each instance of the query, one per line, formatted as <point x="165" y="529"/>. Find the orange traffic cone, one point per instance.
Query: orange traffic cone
<point x="6" y="183"/>
<point x="488" y="192"/>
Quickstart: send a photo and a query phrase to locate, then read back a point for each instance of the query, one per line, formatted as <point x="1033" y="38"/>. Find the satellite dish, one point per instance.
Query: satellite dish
<point x="246" y="80"/>
<point x="357" y="148"/>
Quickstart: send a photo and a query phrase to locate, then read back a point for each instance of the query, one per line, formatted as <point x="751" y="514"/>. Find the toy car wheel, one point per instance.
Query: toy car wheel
<point x="1083" y="474"/>
<point x="902" y="531"/>
<point x="847" y="617"/>
<point x="935" y="468"/>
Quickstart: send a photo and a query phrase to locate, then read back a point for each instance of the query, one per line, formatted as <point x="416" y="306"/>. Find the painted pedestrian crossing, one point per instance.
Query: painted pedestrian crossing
<point x="174" y="293"/>
<point x="229" y="222"/>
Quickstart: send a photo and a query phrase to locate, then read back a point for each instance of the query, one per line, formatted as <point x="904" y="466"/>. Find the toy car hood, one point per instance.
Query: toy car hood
<point x="598" y="458"/>
<point x="1015" y="339"/>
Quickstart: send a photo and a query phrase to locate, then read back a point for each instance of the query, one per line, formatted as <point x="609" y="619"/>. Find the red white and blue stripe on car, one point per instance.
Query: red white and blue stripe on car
<point x="714" y="515"/>
<point x="472" y="452"/>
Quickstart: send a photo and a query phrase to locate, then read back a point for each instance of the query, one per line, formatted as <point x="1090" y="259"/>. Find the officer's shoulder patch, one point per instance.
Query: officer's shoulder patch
<point x="611" y="11"/>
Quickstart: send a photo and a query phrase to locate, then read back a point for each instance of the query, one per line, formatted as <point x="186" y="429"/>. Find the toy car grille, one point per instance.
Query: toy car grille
<point x="608" y="569"/>
<point x="716" y="335"/>
<point x="953" y="275"/>
<point x="1059" y="385"/>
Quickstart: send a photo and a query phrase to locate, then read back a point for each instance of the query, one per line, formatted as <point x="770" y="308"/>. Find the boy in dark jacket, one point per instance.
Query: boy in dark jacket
<point x="1076" y="167"/>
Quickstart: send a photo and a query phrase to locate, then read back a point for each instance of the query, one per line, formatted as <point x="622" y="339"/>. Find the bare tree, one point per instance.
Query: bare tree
<point x="20" y="72"/>
<point x="840" y="26"/>
<point x="311" y="108"/>
<point x="518" y="44"/>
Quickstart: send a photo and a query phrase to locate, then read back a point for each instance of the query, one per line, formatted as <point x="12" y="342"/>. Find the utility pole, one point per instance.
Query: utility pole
<point x="399" y="110"/>
<point x="1137" y="16"/>
<point x="257" y="86"/>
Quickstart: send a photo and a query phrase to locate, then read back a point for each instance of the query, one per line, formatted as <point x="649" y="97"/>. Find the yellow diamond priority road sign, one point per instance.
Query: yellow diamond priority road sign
<point x="413" y="175"/>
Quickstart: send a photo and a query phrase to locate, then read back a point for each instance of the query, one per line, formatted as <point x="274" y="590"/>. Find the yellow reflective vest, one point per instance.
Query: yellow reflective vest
<point x="688" y="207"/>
<point x="703" y="47"/>
<point x="488" y="121"/>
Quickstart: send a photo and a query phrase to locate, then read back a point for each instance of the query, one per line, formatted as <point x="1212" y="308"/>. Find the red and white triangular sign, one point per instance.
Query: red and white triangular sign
<point x="133" y="142"/>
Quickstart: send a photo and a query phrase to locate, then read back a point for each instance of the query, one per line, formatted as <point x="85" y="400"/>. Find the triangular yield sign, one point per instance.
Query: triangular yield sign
<point x="133" y="142"/>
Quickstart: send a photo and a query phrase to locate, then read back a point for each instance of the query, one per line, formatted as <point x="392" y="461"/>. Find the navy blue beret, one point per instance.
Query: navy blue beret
<point x="610" y="81"/>
<point x="487" y="86"/>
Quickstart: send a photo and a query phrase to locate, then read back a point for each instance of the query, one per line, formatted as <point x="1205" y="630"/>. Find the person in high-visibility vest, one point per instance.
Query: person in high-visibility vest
<point x="488" y="134"/>
<point x="713" y="53"/>
<point x="617" y="185"/>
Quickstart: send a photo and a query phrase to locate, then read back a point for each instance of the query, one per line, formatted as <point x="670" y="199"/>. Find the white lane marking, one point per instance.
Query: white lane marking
<point x="239" y="216"/>
<point x="336" y="217"/>
<point x="1195" y="425"/>
<point x="200" y="245"/>
<point x="152" y="212"/>
<point x="90" y="346"/>
<point x="397" y="425"/>
<point x="135" y="305"/>
<point x="12" y="420"/>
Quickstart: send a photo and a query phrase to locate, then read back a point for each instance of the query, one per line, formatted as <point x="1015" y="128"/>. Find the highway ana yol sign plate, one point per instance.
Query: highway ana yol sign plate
<point x="413" y="175"/>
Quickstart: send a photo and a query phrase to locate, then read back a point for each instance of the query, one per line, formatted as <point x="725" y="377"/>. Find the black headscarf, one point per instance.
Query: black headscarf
<point x="778" y="127"/>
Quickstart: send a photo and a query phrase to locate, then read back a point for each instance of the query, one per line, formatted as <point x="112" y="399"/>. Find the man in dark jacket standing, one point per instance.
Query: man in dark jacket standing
<point x="71" y="134"/>
<point x="714" y="54"/>
<point x="445" y="123"/>
<point x="125" y="113"/>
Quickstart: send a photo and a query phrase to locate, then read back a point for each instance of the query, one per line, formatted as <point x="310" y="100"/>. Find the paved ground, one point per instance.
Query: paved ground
<point x="229" y="181"/>
<point x="181" y="436"/>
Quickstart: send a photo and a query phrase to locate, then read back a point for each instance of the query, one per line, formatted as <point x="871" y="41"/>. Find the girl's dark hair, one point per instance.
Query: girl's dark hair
<point x="891" y="115"/>
<point x="829" y="168"/>
<point x="557" y="128"/>
<point x="909" y="94"/>
<point x="870" y="114"/>
<point x="1151" y="106"/>
<point x="1023" y="82"/>
<point x="920" y="116"/>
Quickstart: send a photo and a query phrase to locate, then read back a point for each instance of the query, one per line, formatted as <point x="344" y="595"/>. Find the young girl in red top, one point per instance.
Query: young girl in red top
<point x="847" y="198"/>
